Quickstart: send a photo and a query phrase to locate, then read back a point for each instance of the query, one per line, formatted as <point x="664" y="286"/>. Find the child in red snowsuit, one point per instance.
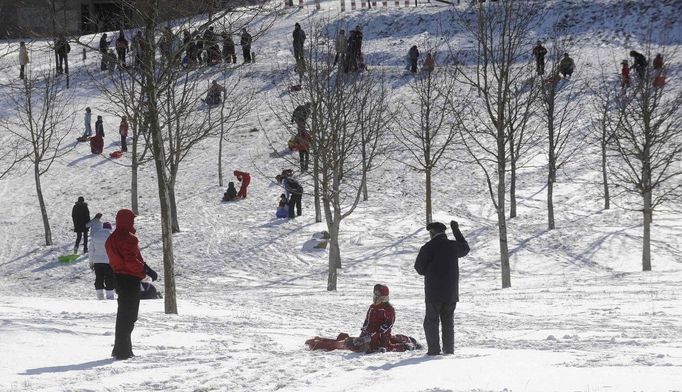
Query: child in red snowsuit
<point x="245" y="179"/>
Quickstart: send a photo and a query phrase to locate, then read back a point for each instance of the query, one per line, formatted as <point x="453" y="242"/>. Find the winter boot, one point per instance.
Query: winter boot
<point x="110" y="294"/>
<point x="100" y="293"/>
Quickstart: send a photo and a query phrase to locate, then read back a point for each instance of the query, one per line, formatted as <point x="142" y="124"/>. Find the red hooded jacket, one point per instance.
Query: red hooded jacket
<point x="123" y="249"/>
<point x="378" y="324"/>
<point x="245" y="178"/>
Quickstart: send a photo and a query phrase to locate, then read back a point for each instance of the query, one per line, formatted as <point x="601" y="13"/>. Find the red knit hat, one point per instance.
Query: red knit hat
<point x="380" y="290"/>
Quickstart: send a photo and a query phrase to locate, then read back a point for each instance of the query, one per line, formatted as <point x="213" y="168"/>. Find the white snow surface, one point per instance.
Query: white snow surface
<point x="581" y="316"/>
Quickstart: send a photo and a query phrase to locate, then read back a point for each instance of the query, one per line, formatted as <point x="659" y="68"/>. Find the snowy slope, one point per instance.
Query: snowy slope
<point x="579" y="317"/>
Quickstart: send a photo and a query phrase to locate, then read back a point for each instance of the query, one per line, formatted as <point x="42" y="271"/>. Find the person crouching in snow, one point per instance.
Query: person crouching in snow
<point x="375" y="335"/>
<point x="99" y="261"/>
<point x="282" y="207"/>
<point x="245" y="179"/>
<point x="231" y="193"/>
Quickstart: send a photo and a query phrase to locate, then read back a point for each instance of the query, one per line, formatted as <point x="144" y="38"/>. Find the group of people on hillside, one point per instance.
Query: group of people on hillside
<point x="115" y="257"/>
<point x="231" y="193"/>
<point x="97" y="141"/>
<point x="641" y="66"/>
<point x="564" y="69"/>
<point x="413" y="57"/>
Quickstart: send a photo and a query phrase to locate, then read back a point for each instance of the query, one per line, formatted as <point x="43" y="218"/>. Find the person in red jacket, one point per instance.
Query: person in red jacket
<point x="123" y="131"/>
<point x="129" y="269"/>
<point x="245" y="179"/>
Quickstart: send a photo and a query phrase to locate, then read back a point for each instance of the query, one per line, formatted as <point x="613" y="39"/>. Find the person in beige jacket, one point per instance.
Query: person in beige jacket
<point x="23" y="58"/>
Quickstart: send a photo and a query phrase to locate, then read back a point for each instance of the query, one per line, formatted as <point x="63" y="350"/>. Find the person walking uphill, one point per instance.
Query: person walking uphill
<point x="129" y="269"/>
<point x="299" y="41"/>
<point x="80" y="214"/>
<point x="438" y="263"/>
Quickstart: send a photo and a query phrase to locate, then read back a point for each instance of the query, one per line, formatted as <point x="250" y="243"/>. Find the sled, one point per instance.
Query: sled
<point x="116" y="154"/>
<point x="67" y="258"/>
<point x="83" y="138"/>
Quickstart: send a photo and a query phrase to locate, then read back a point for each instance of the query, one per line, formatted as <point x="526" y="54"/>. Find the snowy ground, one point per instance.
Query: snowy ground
<point x="579" y="317"/>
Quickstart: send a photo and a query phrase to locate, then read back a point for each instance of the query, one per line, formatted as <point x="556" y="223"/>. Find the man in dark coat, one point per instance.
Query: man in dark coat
<point x="81" y="216"/>
<point x="245" y="41"/>
<point x="103" y="49"/>
<point x="62" y="48"/>
<point x="299" y="40"/>
<point x="539" y="52"/>
<point x="438" y="263"/>
<point x="640" y="63"/>
<point x="413" y="55"/>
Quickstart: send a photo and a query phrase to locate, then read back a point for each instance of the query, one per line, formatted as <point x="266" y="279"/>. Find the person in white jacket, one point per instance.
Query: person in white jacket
<point x="88" y="121"/>
<point x="99" y="261"/>
<point x="23" y="58"/>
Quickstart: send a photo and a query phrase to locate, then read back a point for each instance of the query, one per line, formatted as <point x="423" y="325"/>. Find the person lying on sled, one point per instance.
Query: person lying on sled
<point x="375" y="334"/>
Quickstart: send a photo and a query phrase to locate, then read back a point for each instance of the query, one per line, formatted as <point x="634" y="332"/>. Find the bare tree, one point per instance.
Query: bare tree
<point x="648" y="149"/>
<point x="427" y="131"/>
<point x="42" y="120"/>
<point x="561" y="109"/>
<point x="501" y="31"/>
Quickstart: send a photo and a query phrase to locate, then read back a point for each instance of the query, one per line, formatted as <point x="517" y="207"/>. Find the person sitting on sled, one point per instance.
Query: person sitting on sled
<point x="231" y="193"/>
<point x="282" y="207"/>
<point x="375" y="334"/>
<point x="214" y="93"/>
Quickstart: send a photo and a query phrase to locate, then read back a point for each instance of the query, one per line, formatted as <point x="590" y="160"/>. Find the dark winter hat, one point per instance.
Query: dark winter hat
<point x="436" y="227"/>
<point x="297" y="25"/>
<point x="106" y="225"/>
<point x="81" y="199"/>
<point x="380" y="290"/>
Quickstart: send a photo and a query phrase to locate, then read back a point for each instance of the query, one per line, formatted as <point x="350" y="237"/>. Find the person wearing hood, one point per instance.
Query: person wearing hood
<point x="23" y="58"/>
<point x="80" y="214"/>
<point x="438" y="262"/>
<point x="245" y="179"/>
<point x="231" y="193"/>
<point x="129" y="269"/>
<point x="99" y="261"/>
<point x="299" y="41"/>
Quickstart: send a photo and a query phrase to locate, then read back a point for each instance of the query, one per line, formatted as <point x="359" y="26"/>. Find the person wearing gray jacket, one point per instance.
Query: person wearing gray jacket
<point x="99" y="261"/>
<point x="88" y="122"/>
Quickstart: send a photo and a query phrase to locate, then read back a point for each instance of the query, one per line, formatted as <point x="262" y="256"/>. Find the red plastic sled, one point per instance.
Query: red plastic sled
<point x="116" y="154"/>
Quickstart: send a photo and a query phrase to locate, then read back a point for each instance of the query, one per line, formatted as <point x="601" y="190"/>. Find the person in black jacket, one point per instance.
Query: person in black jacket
<point x="539" y="52"/>
<point x="246" y="45"/>
<point x="299" y="41"/>
<point x="640" y="63"/>
<point x="62" y="47"/>
<point x="81" y="216"/>
<point x="437" y="262"/>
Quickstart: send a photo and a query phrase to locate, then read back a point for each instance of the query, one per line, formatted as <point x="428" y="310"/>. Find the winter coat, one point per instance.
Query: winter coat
<point x="122" y="43"/>
<point x="658" y="61"/>
<point x="640" y="60"/>
<point x="88" y="119"/>
<point x="98" y="237"/>
<point x="103" y="44"/>
<point x="80" y="214"/>
<point x="438" y="263"/>
<point x="413" y="53"/>
<point x="341" y="43"/>
<point x="299" y="37"/>
<point x="429" y="63"/>
<point x="123" y="128"/>
<point x="228" y="43"/>
<point x="23" y="55"/>
<point x="355" y="42"/>
<point x="99" y="128"/>
<point x="566" y="65"/>
<point x="378" y="325"/>
<point x="625" y="73"/>
<point x="300" y="114"/>
<point x="230" y="193"/>
<point x="303" y="140"/>
<point x="539" y="52"/>
<point x="244" y="177"/>
<point x="123" y="247"/>
<point x="292" y="187"/>
<point x="62" y="47"/>
<point x="245" y="39"/>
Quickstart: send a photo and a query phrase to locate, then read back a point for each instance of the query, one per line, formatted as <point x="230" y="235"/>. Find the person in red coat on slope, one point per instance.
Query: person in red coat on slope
<point x="245" y="179"/>
<point x="129" y="269"/>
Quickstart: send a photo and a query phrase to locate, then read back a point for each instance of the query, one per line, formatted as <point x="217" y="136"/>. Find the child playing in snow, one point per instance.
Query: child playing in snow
<point x="231" y="193"/>
<point x="283" y="207"/>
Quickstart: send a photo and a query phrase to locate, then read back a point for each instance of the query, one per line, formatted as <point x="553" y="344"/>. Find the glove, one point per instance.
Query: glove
<point x="454" y="225"/>
<point x="150" y="272"/>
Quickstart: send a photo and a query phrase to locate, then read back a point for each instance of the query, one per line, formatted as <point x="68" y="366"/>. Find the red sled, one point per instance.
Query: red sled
<point x="116" y="154"/>
<point x="96" y="144"/>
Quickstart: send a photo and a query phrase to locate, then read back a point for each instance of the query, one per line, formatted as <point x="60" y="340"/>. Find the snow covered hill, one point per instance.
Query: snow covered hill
<point x="581" y="316"/>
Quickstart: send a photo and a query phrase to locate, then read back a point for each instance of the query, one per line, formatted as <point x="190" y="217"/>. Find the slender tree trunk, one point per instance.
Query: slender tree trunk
<point x="133" y="177"/>
<point x="175" y="224"/>
<point x="220" y="144"/>
<point x="501" y="217"/>
<point x="334" y="250"/>
<point x="43" y="208"/>
<point x="365" y="195"/>
<point x="605" y="178"/>
<point x="429" y="214"/>
<point x="550" y="202"/>
<point x="512" y="186"/>
<point x="648" y="212"/>
<point x="316" y="184"/>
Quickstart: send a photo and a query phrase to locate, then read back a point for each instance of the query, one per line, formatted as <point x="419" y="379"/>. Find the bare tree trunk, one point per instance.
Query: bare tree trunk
<point x="605" y="178"/>
<point x="316" y="184"/>
<point x="501" y="218"/>
<point x="334" y="257"/>
<point x="512" y="184"/>
<point x="365" y="196"/>
<point x="133" y="186"/>
<point x="550" y="201"/>
<point x="220" y="144"/>
<point x="43" y="208"/>
<point x="646" y="243"/>
<point x="429" y="213"/>
<point x="175" y="223"/>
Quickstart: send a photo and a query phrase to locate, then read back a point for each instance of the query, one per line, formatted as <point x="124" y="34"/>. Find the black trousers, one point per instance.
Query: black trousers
<point x="21" y="71"/>
<point x="128" y="290"/>
<point x="304" y="159"/>
<point x="121" y="53"/>
<point x="104" y="276"/>
<point x="443" y="314"/>
<point x="294" y="201"/>
<point x="124" y="145"/>
<point x="84" y="236"/>
<point x="61" y="59"/>
<point x="540" y="66"/>
<point x="246" y="51"/>
<point x="413" y="65"/>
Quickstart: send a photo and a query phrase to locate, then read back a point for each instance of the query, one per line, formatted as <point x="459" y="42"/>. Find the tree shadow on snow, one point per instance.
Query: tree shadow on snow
<point x="81" y="159"/>
<point x="68" y="368"/>
<point x="405" y="362"/>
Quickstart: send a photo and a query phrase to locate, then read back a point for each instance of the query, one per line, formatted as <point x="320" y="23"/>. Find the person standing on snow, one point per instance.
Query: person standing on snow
<point x="246" y="45"/>
<point x="566" y="66"/>
<point x="103" y="49"/>
<point x="625" y="75"/>
<point x="413" y="56"/>
<point x="123" y="131"/>
<point x="228" y="48"/>
<point x="99" y="127"/>
<point x="437" y="261"/>
<point x="129" y="269"/>
<point x="99" y="261"/>
<point x="80" y="214"/>
<point x="640" y="63"/>
<point x="539" y="52"/>
<point x="341" y="47"/>
<point x="294" y="192"/>
<point x="658" y="65"/>
<point x="299" y="41"/>
<point x="88" y="122"/>
<point x="23" y="59"/>
<point x="121" y="48"/>
<point x="62" y="48"/>
<point x="245" y="179"/>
